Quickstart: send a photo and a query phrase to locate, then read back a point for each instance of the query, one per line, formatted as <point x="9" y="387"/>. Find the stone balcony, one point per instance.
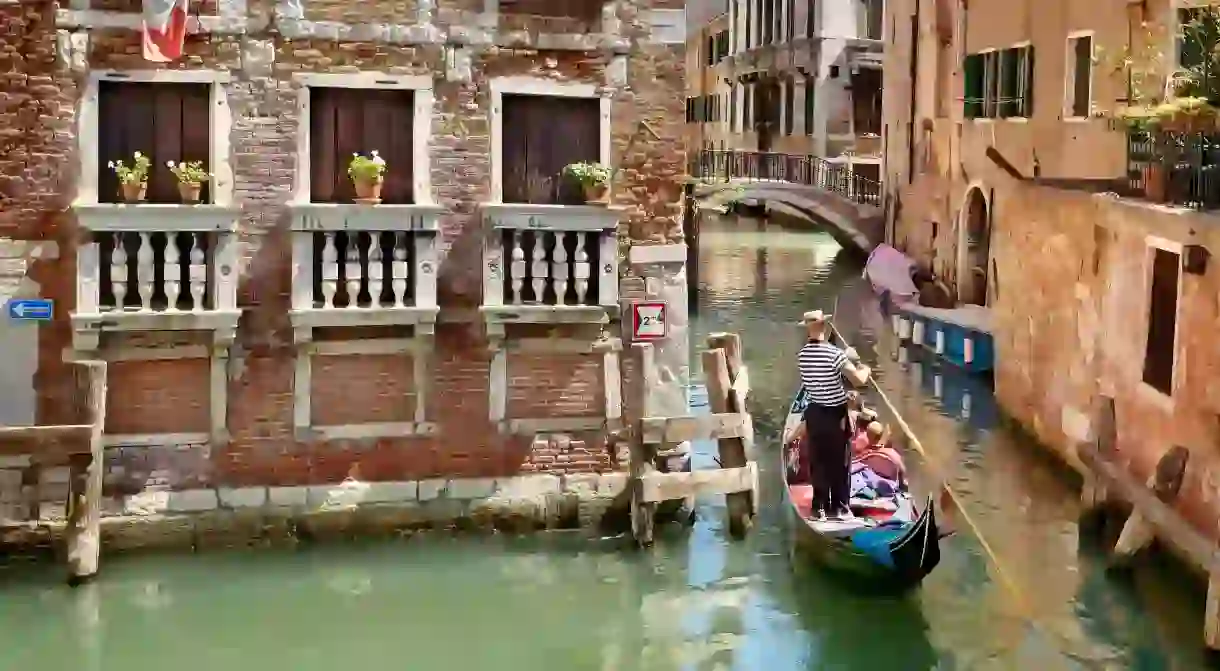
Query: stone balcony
<point x="152" y="267"/>
<point x="549" y="264"/>
<point x="363" y="265"/>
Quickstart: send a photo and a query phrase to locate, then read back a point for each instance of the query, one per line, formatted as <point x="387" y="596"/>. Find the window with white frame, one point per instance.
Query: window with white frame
<point x="1078" y="99"/>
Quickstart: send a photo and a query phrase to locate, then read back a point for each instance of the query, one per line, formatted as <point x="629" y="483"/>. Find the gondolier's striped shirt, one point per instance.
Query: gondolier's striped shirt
<point x="821" y="365"/>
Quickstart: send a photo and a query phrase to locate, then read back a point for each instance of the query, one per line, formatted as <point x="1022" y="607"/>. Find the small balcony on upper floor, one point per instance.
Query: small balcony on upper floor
<point x="549" y="255"/>
<point x="372" y="260"/>
<point x="154" y="255"/>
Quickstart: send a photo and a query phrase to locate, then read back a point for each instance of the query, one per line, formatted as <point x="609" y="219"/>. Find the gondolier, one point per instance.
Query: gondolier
<point x="824" y="368"/>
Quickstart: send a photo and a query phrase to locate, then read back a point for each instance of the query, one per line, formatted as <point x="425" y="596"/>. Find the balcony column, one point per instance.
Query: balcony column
<point x="798" y="105"/>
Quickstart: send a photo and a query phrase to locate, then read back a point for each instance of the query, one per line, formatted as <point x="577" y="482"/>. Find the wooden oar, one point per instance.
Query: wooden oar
<point x="947" y="495"/>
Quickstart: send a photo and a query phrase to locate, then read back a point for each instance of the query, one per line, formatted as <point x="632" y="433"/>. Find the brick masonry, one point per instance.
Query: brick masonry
<point x="43" y="67"/>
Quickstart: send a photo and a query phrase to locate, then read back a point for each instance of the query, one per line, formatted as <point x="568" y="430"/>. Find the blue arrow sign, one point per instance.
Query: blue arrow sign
<point x="31" y="309"/>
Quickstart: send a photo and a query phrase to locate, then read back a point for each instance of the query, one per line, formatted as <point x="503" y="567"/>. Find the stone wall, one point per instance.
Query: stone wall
<point x="1071" y="323"/>
<point x="261" y="45"/>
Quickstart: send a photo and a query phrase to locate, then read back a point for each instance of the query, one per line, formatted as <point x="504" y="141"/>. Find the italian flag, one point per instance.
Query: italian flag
<point x="164" y="29"/>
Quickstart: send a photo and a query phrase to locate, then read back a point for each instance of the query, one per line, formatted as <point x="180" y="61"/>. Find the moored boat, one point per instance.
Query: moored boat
<point x="890" y="542"/>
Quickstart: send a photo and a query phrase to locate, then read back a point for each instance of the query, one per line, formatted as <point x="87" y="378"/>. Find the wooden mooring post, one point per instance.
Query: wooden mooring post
<point x="729" y="424"/>
<point x="80" y="448"/>
<point x="1152" y="513"/>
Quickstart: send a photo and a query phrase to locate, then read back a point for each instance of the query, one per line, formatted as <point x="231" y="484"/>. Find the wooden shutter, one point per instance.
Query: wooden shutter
<point x="543" y="135"/>
<point x="1162" y="321"/>
<point x="1027" y="97"/>
<point x="343" y="122"/>
<point x="973" y="92"/>
<point x="166" y="122"/>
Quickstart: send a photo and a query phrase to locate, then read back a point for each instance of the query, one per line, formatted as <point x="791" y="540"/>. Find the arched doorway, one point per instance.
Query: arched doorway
<point x="977" y="253"/>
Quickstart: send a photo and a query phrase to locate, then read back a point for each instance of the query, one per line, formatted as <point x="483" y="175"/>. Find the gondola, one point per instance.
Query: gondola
<point x="889" y="544"/>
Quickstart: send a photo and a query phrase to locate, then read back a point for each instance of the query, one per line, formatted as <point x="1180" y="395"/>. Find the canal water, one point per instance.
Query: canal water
<point x="697" y="602"/>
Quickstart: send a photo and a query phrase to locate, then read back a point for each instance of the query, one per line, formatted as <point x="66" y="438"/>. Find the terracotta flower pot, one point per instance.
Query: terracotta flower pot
<point x="189" y="191"/>
<point x="133" y="192"/>
<point x="595" y="194"/>
<point x="368" y="192"/>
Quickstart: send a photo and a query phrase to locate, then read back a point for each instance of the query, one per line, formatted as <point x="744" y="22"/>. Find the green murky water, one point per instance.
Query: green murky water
<point x="697" y="602"/>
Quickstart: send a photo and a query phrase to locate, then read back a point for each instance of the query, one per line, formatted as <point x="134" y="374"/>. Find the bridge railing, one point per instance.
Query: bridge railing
<point x="725" y="165"/>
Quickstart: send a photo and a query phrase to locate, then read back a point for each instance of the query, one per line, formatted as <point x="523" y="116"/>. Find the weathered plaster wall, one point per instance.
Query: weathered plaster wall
<point x="1071" y="323"/>
<point x="928" y="194"/>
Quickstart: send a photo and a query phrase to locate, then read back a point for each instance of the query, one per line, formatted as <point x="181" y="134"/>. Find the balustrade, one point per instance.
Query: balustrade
<point x="357" y="264"/>
<point x="550" y="256"/>
<point x="155" y="267"/>
<point x="156" y="272"/>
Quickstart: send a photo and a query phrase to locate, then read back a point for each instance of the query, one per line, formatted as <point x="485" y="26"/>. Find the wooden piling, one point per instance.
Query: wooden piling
<point x="729" y="424"/>
<point x="1165" y="522"/>
<point x="1093" y="495"/>
<point x="1138" y="533"/>
<point x="83" y="533"/>
<point x="643" y="454"/>
<point x="724" y="369"/>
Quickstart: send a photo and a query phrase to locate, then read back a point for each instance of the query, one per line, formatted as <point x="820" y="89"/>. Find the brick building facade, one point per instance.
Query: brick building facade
<point x="237" y="355"/>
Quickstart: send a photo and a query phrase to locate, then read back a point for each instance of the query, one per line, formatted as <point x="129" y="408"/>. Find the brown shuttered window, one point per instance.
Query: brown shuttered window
<point x="574" y="9"/>
<point x="166" y="122"/>
<point x="542" y="135"/>
<point x="1162" y="321"/>
<point x="345" y="121"/>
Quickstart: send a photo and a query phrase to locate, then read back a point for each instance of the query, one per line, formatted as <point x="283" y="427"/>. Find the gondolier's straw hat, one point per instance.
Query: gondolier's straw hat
<point x="815" y="317"/>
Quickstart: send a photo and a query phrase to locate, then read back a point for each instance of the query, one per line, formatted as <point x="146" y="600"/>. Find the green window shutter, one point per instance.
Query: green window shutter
<point x="973" y="90"/>
<point x="1027" y="100"/>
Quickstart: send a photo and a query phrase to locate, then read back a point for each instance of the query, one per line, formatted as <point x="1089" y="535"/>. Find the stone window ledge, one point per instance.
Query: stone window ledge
<point x="528" y="216"/>
<point x="156" y="217"/>
<point x="423" y="318"/>
<point x="548" y="314"/>
<point x="422" y="218"/>
<point x="88" y="327"/>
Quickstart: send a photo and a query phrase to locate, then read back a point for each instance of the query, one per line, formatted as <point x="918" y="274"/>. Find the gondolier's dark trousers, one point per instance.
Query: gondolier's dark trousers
<point x="826" y="453"/>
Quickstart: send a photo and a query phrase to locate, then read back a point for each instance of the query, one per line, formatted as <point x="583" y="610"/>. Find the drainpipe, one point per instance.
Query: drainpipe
<point x="913" y="75"/>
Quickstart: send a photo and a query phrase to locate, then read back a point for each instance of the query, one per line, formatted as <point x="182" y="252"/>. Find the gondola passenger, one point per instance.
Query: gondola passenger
<point x="877" y="469"/>
<point x="824" y="371"/>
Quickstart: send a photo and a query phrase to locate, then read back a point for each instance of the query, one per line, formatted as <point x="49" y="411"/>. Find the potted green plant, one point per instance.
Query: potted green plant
<point x="594" y="179"/>
<point x="1186" y="115"/>
<point x="191" y="178"/>
<point x="133" y="179"/>
<point x="367" y="174"/>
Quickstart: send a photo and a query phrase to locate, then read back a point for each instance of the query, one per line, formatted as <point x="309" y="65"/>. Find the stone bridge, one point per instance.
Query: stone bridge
<point x="807" y="187"/>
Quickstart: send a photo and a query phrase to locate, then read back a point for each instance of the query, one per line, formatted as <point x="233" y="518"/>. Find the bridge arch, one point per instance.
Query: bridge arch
<point x="797" y="201"/>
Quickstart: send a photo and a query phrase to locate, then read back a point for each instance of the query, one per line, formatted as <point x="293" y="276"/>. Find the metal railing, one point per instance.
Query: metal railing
<point x="1177" y="168"/>
<point x="837" y="178"/>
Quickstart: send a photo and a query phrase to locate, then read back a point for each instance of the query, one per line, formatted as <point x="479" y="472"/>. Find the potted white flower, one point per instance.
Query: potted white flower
<point x="594" y="179"/>
<point x="191" y="178"/>
<point x="133" y="179"/>
<point x="367" y="174"/>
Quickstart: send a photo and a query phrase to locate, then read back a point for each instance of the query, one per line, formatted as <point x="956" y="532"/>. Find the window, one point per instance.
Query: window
<point x="165" y="122"/>
<point x="733" y="107"/>
<point x="871" y="17"/>
<point x="999" y="84"/>
<point x="690" y="110"/>
<point x="1162" y="321"/>
<point x="345" y="121"/>
<point x="749" y="24"/>
<point x="810" y="89"/>
<point x="866" y="101"/>
<point x="1079" y="77"/>
<point x="811" y="17"/>
<point x="991" y="84"/>
<point x="791" y="20"/>
<point x="572" y="9"/>
<point x="789" y="105"/>
<point x="547" y="134"/>
<point x="709" y="50"/>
